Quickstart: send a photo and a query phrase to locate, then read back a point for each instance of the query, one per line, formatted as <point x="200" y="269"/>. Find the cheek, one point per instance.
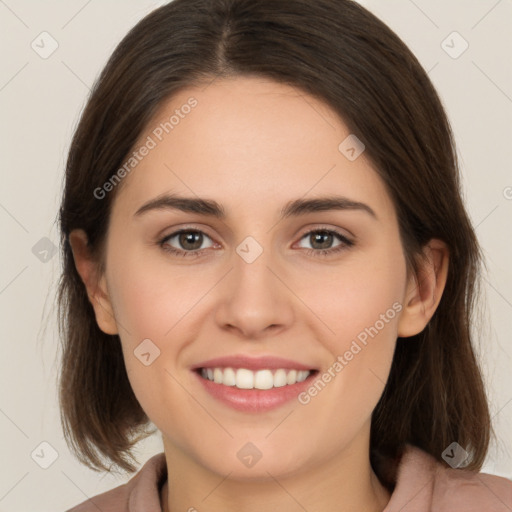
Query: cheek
<point x="153" y="309"/>
<point x="156" y="301"/>
<point x="359" y="306"/>
<point x="355" y="309"/>
<point x="151" y="297"/>
<point x="355" y="296"/>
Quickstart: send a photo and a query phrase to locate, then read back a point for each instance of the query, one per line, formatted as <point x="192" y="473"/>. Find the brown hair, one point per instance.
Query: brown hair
<point x="342" y="54"/>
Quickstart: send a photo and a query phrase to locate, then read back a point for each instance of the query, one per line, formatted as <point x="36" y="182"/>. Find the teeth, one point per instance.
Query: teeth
<point x="217" y="375"/>
<point x="247" y="379"/>
<point x="244" y="379"/>
<point x="229" y="377"/>
<point x="291" y="377"/>
<point x="280" y="378"/>
<point x="263" y="379"/>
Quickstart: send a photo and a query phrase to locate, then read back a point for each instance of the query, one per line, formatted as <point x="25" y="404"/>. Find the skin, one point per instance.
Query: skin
<point x="253" y="145"/>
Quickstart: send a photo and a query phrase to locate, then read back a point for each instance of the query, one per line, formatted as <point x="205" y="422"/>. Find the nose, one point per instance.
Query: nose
<point x="254" y="299"/>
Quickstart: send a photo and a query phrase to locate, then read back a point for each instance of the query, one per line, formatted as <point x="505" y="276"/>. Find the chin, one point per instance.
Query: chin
<point x="247" y="462"/>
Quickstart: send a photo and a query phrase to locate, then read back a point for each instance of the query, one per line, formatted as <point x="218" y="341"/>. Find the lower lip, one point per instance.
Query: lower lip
<point x="255" y="400"/>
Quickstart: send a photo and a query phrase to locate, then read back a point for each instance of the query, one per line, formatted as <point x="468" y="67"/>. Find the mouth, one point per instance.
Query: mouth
<point x="263" y="379"/>
<point x="253" y="385"/>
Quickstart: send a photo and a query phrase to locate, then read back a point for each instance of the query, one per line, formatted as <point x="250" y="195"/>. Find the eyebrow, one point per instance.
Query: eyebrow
<point x="211" y="208"/>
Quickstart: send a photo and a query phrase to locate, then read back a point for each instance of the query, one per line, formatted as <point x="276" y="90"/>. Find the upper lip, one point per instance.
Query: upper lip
<point x="252" y="363"/>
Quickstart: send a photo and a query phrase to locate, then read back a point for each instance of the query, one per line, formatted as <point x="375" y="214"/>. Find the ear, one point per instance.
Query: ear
<point x="95" y="284"/>
<point x="424" y="289"/>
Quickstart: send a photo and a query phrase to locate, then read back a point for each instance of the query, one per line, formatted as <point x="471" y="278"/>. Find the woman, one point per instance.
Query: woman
<point x="334" y="375"/>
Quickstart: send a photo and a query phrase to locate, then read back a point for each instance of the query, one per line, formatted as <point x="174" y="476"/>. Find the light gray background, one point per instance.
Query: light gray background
<point x="40" y="102"/>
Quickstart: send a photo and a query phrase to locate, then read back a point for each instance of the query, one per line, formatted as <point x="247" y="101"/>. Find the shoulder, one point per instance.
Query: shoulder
<point x="424" y="484"/>
<point x="459" y="489"/>
<point x="140" y="493"/>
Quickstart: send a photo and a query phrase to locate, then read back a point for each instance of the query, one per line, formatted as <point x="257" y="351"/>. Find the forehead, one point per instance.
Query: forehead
<point x="248" y="142"/>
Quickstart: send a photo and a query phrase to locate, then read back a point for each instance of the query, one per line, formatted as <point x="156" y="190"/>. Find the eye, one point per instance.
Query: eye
<point x="322" y="240"/>
<point x="189" y="242"/>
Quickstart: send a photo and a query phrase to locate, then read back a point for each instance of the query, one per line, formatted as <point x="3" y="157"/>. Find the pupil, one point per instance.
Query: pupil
<point x="189" y="237"/>
<point x="319" y="235"/>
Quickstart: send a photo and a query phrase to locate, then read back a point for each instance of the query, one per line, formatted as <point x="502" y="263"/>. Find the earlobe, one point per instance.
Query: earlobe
<point x="424" y="290"/>
<point x="95" y="285"/>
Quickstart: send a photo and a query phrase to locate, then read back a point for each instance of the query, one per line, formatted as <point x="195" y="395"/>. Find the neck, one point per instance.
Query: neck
<point x="345" y="482"/>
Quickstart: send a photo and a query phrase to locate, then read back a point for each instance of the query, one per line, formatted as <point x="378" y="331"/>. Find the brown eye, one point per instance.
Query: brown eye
<point x="185" y="241"/>
<point x="321" y="242"/>
<point x="191" y="240"/>
<point x="321" y="239"/>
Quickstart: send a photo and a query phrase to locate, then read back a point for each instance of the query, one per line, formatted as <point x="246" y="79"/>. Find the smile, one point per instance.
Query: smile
<point x="243" y="378"/>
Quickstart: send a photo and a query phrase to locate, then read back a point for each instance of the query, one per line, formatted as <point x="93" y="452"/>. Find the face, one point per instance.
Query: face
<point x="318" y="290"/>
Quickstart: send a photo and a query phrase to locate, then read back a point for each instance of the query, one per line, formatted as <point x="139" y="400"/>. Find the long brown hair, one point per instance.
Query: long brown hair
<point x="342" y="54"/>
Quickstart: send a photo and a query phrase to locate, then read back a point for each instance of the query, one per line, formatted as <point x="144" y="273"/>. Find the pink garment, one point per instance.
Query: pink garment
<point x="423" y="485"/>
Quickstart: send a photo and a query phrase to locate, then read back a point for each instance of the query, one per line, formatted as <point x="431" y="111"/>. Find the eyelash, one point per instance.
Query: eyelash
<point x="323" y="253"/>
